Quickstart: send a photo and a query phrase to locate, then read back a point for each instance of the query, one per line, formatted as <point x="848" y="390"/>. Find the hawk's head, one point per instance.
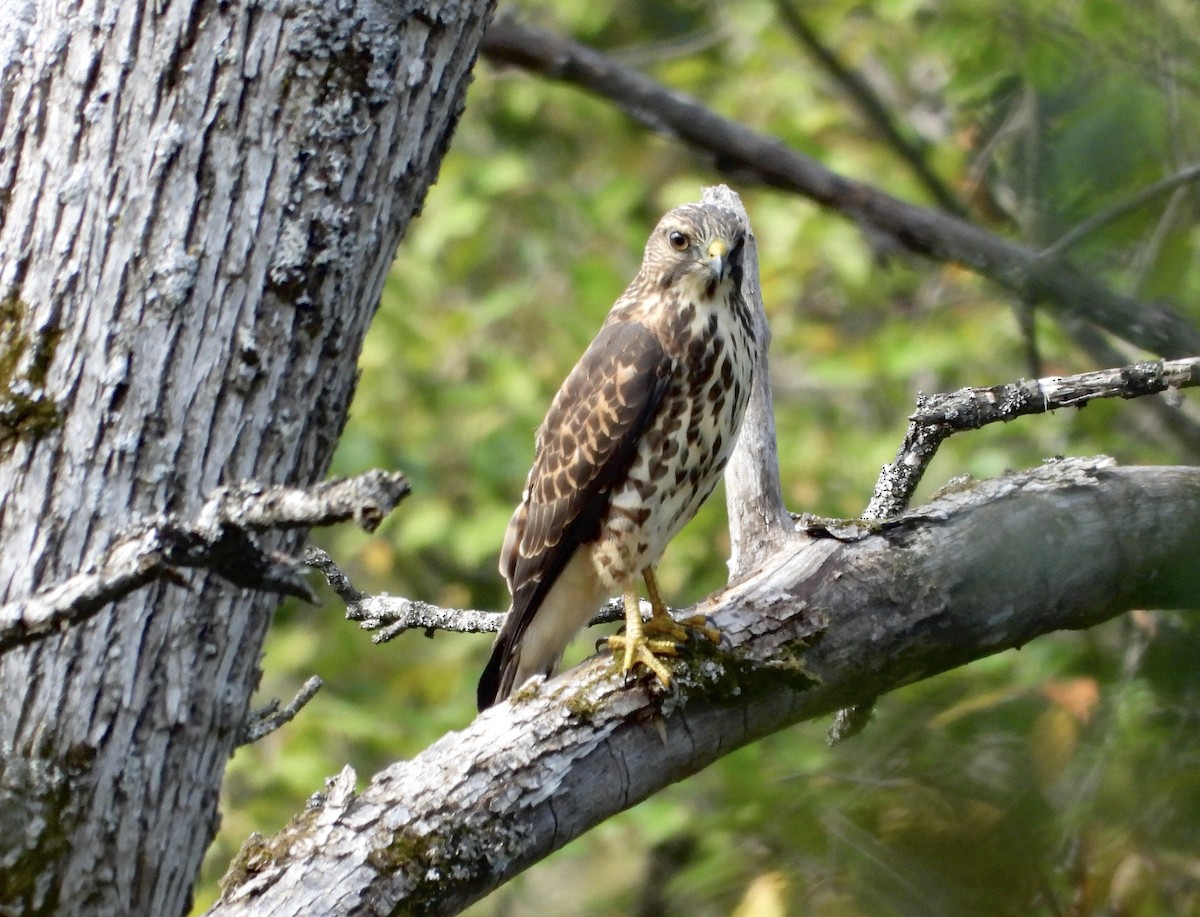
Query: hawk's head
<point x="696" y="250"/>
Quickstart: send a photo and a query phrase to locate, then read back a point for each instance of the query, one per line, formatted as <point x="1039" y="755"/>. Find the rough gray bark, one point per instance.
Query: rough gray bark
<point x="198" y="205"/>
<point x="832" y="620"/>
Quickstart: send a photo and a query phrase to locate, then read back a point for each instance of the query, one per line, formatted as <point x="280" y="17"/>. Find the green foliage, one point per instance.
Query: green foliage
<point x="1032" y="782"/>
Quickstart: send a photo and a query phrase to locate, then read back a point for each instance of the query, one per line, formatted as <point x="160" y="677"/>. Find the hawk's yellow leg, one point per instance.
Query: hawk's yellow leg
<point x="645" y="641"/>
<point x="638" y="647"/>
<point x="663" y="625"/>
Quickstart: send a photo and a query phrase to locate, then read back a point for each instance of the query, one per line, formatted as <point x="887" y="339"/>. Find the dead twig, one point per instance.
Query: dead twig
<point x="219" y="539"/>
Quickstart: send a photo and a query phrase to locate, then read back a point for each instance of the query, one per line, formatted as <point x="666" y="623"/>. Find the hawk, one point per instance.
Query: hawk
<point x="634" y="442"/>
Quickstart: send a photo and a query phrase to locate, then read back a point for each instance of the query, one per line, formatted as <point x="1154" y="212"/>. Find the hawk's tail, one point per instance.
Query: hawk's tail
<point x="497" y="679"/>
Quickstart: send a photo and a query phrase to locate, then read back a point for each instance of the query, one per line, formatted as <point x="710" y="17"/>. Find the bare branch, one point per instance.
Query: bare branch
<point x="218" y="540"/>
<point x="911" y="598"/>
<point x="338" y="581"/>
<point x="392" y="615"/>
<point x="267" y="718"/>
<point x="972" y="408"/>
<point x="1121" y="208"/>
<point x="751" y="156"/>
<point x="1164" y="419"/>
<point x="870" y="105"/>
<point x="939" y="416"/>
<point x="364" y="499"/>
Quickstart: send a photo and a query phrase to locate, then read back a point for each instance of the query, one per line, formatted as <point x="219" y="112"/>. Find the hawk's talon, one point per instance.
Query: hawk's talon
<point x="697" y="624"/>
<point x="680" y="631"/>
<point x="703" y="625"/>
<point x="644" y="641"/>
<point x="646" y="652"/>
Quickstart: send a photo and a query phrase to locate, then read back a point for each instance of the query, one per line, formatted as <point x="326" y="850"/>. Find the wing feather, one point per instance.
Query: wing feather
<point x="585" y="447"/>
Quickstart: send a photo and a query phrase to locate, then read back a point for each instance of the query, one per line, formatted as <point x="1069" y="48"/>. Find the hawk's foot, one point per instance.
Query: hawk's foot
<point x="645" y="641"/>
<point x="662" y="625"/>
<point x="639" y="649"/>
<point x="667" y="628"/>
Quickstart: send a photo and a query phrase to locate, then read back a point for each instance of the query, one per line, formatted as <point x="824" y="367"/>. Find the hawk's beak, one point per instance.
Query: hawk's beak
<point x="716" y="258"/>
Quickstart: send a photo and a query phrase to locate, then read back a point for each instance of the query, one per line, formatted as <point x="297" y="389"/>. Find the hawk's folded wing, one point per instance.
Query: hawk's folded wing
<point x="584" y="450"/>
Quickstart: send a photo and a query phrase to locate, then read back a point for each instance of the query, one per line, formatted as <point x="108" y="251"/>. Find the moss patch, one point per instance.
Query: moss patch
<point x="259" y="853"/>
<point x="26" y="409"/>
<point x="723" y="675"/>
<point x="40" y="816"/>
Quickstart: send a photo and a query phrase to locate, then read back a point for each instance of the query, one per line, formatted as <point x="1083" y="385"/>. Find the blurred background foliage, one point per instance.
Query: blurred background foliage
<point x="1061" y="779"/>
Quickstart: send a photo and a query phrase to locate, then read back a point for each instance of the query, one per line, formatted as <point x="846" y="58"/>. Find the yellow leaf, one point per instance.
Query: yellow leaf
<point x="1078" y="696"/>
<point x="1052" y="742"/>
<point x="764" y="897"/>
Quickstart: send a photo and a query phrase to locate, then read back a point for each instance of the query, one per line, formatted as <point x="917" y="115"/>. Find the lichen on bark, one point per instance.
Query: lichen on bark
<point x="26" y="409"/>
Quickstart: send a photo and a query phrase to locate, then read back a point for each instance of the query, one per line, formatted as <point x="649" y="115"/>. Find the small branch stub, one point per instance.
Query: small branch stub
<point x="269" y="717"/>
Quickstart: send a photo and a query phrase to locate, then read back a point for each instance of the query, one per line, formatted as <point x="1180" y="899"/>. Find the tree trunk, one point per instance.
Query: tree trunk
<point x="199" y="203"/>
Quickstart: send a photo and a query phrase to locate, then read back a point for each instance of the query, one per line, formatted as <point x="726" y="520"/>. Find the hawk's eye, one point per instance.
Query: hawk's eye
<point x="679" y="240"/>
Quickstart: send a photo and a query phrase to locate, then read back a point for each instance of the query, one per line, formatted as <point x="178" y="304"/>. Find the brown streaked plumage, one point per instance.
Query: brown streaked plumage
<point x="634" y="442"/>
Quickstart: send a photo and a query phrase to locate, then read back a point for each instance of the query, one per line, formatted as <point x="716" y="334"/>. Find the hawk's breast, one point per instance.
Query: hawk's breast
<point x="683" y="453"/>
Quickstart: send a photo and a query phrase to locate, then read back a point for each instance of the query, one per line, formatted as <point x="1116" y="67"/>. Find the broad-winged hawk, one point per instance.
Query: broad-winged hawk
<point x="634" y="441"/>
